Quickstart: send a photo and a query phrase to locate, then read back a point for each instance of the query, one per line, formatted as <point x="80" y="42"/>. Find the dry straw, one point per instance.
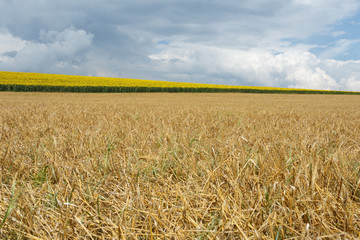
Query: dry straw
<point x="181" y="166"/>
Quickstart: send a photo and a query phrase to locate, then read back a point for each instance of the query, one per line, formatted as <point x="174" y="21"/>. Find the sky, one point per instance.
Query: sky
<point x="312" y="44"/>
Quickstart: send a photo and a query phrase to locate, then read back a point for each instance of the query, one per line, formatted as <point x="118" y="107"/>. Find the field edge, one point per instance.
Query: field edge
<point x="113" y="89"/>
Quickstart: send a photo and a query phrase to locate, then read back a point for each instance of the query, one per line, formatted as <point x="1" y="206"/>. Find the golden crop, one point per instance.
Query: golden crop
<point x="179" y="166"/>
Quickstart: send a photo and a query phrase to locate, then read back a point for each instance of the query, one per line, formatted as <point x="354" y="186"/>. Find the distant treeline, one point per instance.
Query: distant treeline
<point x="105" y="89"/>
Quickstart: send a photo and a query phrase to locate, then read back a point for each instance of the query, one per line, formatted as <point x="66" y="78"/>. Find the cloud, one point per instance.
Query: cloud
<point x="10" y="43"/>
<point x="338" y="33"/>
<point x="249" y="42"/>
<point x="56" y="51"/>
<point x="298" y="69"/>
<point x="212" y="21"/>
<point x="338" y="48"/>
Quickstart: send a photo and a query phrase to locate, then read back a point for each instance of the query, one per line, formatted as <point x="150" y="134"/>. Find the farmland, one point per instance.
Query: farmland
<point x="40" y="82"/>
<point x="179" y="166"/>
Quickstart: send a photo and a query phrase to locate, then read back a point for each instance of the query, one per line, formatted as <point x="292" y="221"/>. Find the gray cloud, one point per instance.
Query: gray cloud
<point x="226" y="42"/>
<point x="55" y="52"/>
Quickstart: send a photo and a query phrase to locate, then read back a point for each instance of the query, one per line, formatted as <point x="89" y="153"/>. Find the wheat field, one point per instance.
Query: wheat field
<point x="179" y="166"/>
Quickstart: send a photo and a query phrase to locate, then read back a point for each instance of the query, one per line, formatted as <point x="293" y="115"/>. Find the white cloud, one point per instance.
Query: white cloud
<point x="56" y="51"/>
<point x="317" y="78"/>
<point x="338" y="33"/>
<point x="339" y="48"/>
<point x="352" y="83"/>
<point x="9" y="43"/>
<point x="299" y="69"/>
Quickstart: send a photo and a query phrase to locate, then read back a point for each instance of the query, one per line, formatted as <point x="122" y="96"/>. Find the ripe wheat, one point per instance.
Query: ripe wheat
<point x="179" y="166"/>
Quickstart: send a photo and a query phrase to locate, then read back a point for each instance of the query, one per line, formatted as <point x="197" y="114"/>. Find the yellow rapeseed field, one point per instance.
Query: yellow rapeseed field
<point x="41" y="79"/>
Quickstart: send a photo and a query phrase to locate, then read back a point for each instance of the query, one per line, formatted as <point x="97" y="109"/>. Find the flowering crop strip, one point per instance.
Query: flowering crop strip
<point x="17" y="81"/>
